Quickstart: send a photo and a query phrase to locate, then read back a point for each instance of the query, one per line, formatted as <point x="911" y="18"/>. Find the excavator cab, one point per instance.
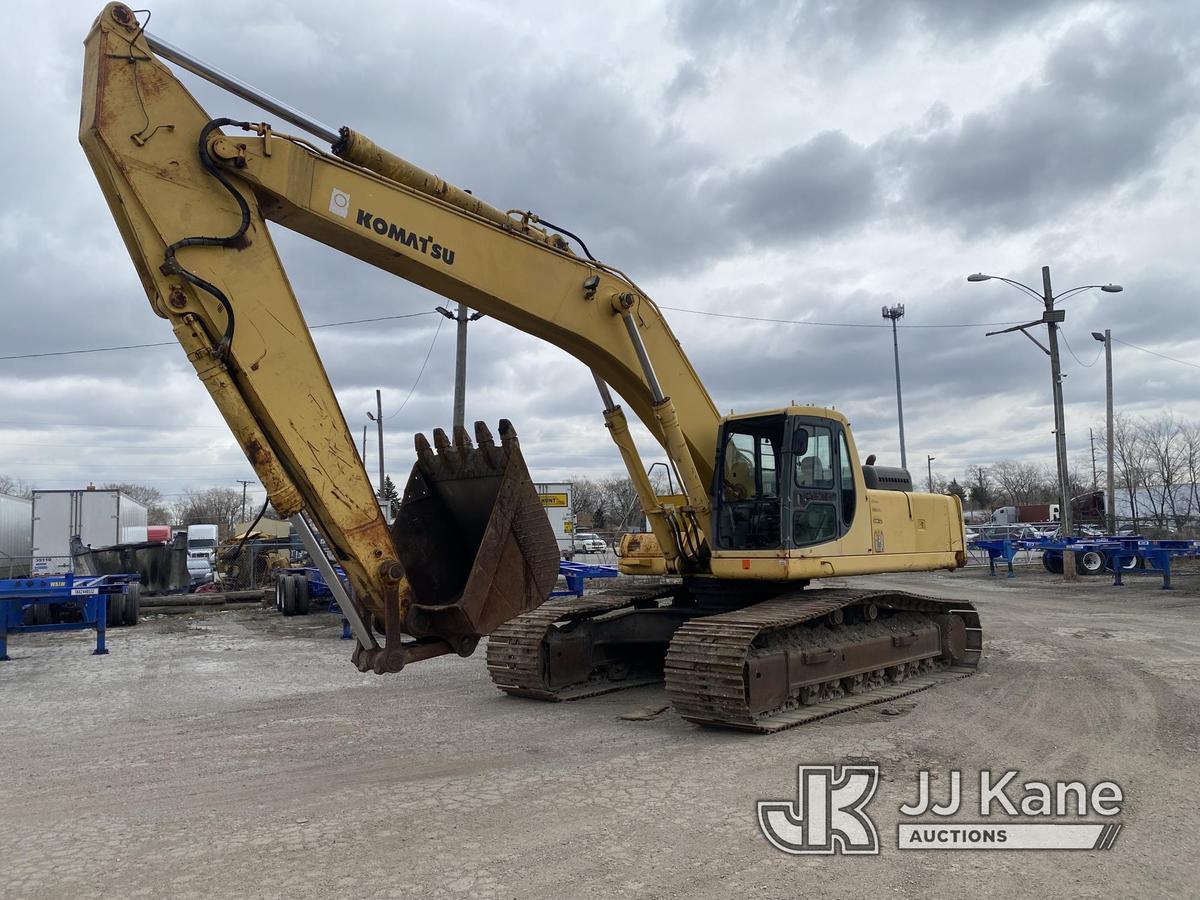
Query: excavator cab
<point x="786" y="482"/>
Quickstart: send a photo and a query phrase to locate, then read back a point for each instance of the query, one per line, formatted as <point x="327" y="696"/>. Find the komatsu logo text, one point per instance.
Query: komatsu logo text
<point x="421" y="243"/>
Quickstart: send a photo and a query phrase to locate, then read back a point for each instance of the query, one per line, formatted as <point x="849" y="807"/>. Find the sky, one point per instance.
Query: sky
<point x="797" y="164"/>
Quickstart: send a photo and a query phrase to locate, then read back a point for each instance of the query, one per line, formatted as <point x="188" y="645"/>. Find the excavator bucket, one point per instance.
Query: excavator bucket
<point x="475" y="542"/>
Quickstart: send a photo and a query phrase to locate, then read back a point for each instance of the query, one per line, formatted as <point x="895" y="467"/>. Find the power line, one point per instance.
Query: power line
<point x="1077" y="359"/>
<point x="702" y="312"/>
<point x="174" y="343"/>
<point x="428" y="353"/>
<point x="1182" y="362"/>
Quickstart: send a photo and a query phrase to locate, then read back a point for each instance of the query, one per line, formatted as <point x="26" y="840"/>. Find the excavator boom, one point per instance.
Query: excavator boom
<point x="192" y="195"/>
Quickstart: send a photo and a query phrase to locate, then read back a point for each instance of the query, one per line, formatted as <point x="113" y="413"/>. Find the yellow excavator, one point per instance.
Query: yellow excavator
<point x="767" y="503"/>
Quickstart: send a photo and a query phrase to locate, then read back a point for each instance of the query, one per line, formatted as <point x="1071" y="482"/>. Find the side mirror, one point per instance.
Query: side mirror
<point x="800" y="442"/>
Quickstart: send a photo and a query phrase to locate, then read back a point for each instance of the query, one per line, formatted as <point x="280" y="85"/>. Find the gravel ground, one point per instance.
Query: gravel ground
<point x="236" y="753"/>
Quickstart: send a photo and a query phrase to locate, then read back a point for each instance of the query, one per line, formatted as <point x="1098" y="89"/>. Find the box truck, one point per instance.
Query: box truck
<point x="99" y="518"/>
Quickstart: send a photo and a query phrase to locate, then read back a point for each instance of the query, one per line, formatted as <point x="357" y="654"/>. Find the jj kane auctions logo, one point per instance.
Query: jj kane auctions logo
<point x="830" y="815"/>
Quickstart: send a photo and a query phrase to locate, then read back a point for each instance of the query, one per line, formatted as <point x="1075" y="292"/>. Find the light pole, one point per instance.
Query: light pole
<point x="1110" y="491"/>
<point x="1051" y="318"/>
<point x="894" y="313"/>
<point x="378" y="420"/>
<point x="460" y="359"/>
<point x="929" y="465"/>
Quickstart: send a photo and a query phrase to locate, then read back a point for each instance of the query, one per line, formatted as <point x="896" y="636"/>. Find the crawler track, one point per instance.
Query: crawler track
<point x="710" y="658"/>
<point x="516" y="652"/>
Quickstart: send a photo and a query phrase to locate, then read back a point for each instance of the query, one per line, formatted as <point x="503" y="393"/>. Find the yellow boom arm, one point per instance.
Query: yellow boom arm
<point x="191" y="202"/>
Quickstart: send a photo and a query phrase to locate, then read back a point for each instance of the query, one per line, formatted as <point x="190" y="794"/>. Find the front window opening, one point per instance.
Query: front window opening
<point x="750" y="509"/>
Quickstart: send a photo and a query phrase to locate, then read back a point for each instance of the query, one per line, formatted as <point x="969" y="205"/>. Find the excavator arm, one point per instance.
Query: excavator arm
<point x="191" y="196"/>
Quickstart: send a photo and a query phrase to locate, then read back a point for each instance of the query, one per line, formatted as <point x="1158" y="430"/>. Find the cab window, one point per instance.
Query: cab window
<point x="847" y="481"/>
<point x="814" y="498"/>
<point x="750" y="507"/>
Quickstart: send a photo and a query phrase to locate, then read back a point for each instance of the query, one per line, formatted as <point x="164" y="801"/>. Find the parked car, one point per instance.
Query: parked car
<point x="586" y="542"/>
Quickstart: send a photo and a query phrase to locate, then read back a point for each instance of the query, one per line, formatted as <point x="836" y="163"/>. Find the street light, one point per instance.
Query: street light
<point x="1110" y="487"/>
<point x="929" y="464"/>
<point x="894" y="313"/>
<point x="1051" y="318"/>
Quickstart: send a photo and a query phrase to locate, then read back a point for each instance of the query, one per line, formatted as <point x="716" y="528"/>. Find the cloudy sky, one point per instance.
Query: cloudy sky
<point x="800" y="161"/>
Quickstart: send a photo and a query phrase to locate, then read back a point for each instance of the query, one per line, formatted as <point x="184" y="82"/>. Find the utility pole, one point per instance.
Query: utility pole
<point x="460" y="369"/>
<point x="461" y="318"/>
<point x="378" y="420"/>
<point x="1110" y="500"/>
<point x="929" y="463"/>
<point x="1092" y="441"/>
<point x="243" y="483"/>
<point x="1051" y="318"/>
<point x="895" y="313"/>
<point x="363" y="454"/>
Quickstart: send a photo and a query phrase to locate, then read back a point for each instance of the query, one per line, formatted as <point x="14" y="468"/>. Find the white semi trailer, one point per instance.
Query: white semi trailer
<point x="15" y="515"/>
<point x="99" y="518"/>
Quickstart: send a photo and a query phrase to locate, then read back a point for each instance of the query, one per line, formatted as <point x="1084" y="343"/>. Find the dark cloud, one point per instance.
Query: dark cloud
<point x="836" y="35"/>
<point x="1102" y="112"/>
<point x="813" y="189"/>
<point x="689" y="81"/>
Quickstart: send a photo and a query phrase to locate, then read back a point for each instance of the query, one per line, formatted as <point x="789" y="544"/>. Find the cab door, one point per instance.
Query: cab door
<point x="822" y="482"/>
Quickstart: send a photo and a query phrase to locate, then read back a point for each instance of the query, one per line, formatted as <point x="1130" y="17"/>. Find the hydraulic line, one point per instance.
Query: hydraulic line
<point x="172" y="266"/>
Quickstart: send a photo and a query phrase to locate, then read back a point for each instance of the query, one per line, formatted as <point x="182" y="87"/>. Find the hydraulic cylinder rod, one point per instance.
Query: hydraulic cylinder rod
<point x="238" y="87"/>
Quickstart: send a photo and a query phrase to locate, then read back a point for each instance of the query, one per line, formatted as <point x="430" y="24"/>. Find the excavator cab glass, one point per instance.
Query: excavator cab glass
<point x="783" y="469"/>
<point x="748" y="504"/>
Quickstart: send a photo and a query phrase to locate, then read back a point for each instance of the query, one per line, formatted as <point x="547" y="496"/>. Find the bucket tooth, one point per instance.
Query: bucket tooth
<point x="440" y="440"/>
<point x="424" y="451"/>
<point x="487" y="446"/>
<point x="508" y="434"/>
<point x="483" y="437"/>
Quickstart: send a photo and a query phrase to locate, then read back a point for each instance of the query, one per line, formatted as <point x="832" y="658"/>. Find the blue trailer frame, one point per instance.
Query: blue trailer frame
<point x="318" y="590"/>
<point x="89" y="592"/>
<point x="1121" y="555"/>
<point x="574" y="573"/>
<point x="577" y="573"/>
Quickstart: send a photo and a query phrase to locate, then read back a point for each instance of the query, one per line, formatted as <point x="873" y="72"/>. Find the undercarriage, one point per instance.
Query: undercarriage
<point x="766" y="665"/>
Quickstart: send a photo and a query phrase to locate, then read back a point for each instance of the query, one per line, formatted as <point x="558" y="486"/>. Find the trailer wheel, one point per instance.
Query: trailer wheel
<point x="1053" y="563"/>
<point x="303" y="594"/>
<point x="279" y="592"/>
<point x="133" y="604"/>
<point x="41" y="614"/>
<point x="116" y="610"/>
<point x="1090" y="562"/>
<point x="288" y="596"/>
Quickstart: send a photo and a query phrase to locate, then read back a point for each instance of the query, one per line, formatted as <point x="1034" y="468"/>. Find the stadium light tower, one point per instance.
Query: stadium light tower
<point x="896" y="313"/>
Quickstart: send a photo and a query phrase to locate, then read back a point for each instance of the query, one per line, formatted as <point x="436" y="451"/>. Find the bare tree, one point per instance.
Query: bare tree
<point x="157" y="511"/>
<point x="1019" y="482"/>
<point x="621" y="502"/>
<point x="219" y="506"/>
<point x="1166" y="465"/>
<point x="17" y="487"/>
<point x="585" y="500"/>
<point x="1129" y="460"/>
<point x="979" y="487"/>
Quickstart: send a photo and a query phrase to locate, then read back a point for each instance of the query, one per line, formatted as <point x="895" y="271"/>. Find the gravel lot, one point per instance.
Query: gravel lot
<point x="236" y="753"/>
